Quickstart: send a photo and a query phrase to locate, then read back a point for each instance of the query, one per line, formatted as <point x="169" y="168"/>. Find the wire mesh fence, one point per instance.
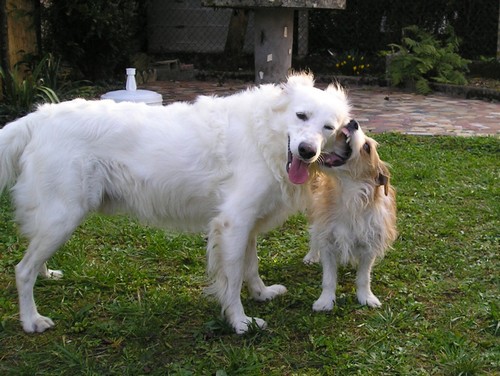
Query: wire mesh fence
<point x="186" y="26"/>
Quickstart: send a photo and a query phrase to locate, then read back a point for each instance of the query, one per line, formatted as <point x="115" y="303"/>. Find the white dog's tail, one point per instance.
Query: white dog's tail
<point x="13" y="140"/>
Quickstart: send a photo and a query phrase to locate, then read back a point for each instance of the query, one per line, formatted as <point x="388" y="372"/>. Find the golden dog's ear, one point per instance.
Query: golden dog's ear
<point x="383" y="180"/>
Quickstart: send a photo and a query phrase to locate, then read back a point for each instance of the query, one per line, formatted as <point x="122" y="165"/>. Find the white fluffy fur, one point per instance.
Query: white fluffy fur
<point x="353" y="219"/>
<point x="216" y="165"/>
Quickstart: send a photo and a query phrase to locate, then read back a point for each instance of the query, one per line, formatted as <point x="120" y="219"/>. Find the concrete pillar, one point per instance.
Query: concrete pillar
<point x="273" y="44"/>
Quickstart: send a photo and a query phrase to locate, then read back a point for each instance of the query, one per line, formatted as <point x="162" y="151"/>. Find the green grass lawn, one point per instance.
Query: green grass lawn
<point x="131" y="301"/>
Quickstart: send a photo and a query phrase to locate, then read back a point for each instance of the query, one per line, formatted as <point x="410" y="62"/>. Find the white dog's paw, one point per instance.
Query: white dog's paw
<point x="37" y="324"/>
<point x="242" y="326"/>
<point x="269" y="292"/>
<point x="55" y="274"/>
<point x="324" y="303"/>
<point x="50" y="273"/>
<point x="312" y="257"/>
<point x="369" y="299"/>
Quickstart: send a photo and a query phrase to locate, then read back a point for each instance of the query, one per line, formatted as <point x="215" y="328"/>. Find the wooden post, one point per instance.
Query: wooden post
<point x="498" y="38"/>
<point x="18" y="31"/>
<point x="273" y="44"/>
<point x="18" y="34"/>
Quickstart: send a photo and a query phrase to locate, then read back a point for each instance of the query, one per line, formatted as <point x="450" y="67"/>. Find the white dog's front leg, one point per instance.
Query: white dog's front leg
<point x="326" y="300"/>
<point x="226" y="257"/>
<point x="256" y="286"/>
<point x="235" y="313"/>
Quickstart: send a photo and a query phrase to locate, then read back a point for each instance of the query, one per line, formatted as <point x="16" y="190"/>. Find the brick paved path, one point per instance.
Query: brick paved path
<point x="377" y="109"/>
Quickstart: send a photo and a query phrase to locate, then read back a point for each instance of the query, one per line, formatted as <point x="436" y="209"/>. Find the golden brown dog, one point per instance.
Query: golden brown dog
<point x="353" y="213"/>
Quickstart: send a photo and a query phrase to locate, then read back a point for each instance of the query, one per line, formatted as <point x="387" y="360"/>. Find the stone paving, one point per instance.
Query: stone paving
<point x="377" y="109"/>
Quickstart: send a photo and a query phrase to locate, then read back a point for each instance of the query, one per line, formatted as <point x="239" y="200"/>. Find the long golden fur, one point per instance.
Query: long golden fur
<point x="353" y="213"/>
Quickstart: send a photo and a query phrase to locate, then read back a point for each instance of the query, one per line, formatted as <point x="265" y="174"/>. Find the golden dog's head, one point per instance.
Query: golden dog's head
<point x="355" y="155"/>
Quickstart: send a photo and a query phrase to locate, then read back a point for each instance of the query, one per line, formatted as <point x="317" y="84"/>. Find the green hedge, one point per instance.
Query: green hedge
<point x="95" y="37"/>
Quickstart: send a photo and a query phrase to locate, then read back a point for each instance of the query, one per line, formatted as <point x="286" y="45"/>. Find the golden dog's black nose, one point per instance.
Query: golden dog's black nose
<point x="352" y="126"/>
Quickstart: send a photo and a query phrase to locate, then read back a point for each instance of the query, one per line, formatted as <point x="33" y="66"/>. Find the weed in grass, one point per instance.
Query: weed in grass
<point x="495" y="317"/>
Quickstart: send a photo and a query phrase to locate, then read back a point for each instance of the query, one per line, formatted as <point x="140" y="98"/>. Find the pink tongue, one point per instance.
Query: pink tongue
<point x="298" y="173"/>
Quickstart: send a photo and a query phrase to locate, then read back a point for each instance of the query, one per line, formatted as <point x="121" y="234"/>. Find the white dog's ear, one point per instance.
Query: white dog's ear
<point x="281" y="102"/>
<point x="337" y="90"/>
<point x="299" y="79"/>
<point x="295" y="80"/>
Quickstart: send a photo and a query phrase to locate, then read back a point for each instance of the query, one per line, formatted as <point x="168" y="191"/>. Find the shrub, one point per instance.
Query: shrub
<point x="421" y="57"/>
<point x="96" y="37"/>
<point x="37" y="80"/>
<point x="485" y="68"/>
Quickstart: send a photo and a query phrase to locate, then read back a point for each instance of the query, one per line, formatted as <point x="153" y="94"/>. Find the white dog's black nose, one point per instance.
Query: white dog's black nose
<point x="306" y="151"/>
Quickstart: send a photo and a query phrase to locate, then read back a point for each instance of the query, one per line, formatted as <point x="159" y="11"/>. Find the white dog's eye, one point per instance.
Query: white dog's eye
<point x="329" y="127"/>
<point x="302" y="116"/>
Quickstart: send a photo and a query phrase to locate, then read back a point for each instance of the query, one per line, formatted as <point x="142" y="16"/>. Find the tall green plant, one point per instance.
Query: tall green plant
<point x="23" y="88"/>
<point x="421" y="58"/>
<point x="56" y="77"/>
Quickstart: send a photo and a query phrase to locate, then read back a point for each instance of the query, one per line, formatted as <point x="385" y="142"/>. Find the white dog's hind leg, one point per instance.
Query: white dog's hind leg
<point x="256" y="286"/>
<point x="38" y="252"/>
<point x="363" y="288"/>
<point x="47" y="233"/>
<point x="312" y="257"/>
<point x="327" y="298"/>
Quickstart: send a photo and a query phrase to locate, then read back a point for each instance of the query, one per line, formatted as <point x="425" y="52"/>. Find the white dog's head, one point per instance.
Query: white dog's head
<point x="355" y="155"/>
<point x="313" y="116"/>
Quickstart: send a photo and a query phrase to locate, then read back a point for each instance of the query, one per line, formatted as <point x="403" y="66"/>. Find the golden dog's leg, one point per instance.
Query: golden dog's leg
<point x="363" y="280"/>
<point x="327" y="298"/>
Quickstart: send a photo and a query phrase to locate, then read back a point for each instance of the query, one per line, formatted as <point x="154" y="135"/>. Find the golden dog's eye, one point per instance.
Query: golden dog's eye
<point x="329" y="127"/>
<point x="302" y="116"/>
<point x="366" y="147"/>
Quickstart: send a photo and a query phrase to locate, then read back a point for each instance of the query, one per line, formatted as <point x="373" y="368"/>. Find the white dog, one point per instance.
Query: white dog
<point x="232" y="166"/>
<point x="353" y="215"/>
